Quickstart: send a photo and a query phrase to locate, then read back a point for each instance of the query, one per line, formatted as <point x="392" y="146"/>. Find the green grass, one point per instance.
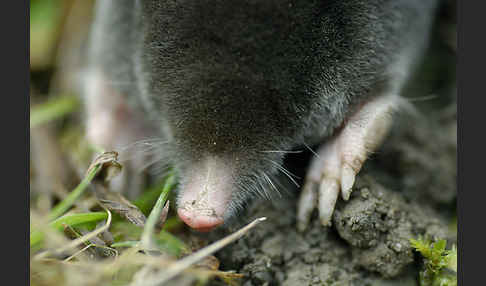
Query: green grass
<point x="73" y="220"/>
<point x="65" y="204"/>
<point x="104" y="162"/>
<point x="156" y="212"/>
<point x="53" y="109"/>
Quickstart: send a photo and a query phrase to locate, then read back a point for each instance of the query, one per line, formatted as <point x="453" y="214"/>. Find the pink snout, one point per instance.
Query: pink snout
<point x="202" y="223"/>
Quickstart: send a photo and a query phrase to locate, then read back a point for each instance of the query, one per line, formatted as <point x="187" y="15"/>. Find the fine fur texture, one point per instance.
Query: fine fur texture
<point x="242" y="79"/>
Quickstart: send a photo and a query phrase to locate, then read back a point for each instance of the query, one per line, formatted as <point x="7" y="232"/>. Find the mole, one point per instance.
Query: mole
<point x="222" y="90"/>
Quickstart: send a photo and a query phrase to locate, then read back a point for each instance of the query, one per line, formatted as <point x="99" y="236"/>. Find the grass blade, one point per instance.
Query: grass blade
<point x="71" y="220"/>
<point x="78" y="241"/>
<point x="147" y="238"/>
<point x="108" y="159"/>
<point x="53" y="109"/>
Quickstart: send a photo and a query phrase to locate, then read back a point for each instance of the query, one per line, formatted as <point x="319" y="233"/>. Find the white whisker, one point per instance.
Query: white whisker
<point x="271" y="183"/>
<point x="310" y="149"/>
<point x="422" y="98"/>
<point x="145" y="147"/>
<point x="264" y="193"/>
<point x="286" y="172"/>
<point x="282" y="151"/>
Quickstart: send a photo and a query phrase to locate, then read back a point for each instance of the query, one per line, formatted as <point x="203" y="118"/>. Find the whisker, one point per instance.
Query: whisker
<point x="144" y="142"/>
<point x="264" y="193"/>
<point x="253" y="190"/>
<point x="271" y="183"/>
<point x="151" y="162"/>
<point x="140" y="148"/>
<point x="422" y="98"/>
<point x="159" y="169"/>
<point x="286" y="172"/>
<point x="132" y="156"/>
<point x="282" y="187"/>
<point x="282" y="151"/>
<point x="310" y="149"/>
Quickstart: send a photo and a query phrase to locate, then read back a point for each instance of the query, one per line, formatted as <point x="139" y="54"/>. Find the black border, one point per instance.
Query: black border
<point x="14" y="118"/>
<point x="471" y="130"/>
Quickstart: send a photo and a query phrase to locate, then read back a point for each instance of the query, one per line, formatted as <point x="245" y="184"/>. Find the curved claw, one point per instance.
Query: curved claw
<point x="328" y="193"/>
<point x="307" y="203"/>
<point x="347" y="181"/>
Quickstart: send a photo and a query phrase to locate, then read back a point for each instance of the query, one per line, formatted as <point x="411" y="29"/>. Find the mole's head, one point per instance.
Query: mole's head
<point x="222" y="144"/>
<point x="231" y="81"/>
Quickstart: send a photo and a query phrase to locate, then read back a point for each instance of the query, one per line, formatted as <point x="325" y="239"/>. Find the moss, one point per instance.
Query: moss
<point x="440" y="265"/>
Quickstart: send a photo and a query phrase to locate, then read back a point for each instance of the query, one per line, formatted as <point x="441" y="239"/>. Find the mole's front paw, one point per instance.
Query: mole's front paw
<point x="328" y="175"/>
<point x="339" y="160"/>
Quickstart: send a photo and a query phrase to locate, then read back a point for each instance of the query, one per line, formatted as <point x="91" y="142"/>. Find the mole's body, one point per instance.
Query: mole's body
<point x="227" y="85"/>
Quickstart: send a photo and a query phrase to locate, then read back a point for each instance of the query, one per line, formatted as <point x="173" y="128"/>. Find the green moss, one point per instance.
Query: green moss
<point x="440" y="265"/>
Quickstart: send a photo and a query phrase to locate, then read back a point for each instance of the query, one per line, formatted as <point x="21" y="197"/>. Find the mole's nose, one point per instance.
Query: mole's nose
<point x="199" y="222"/>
